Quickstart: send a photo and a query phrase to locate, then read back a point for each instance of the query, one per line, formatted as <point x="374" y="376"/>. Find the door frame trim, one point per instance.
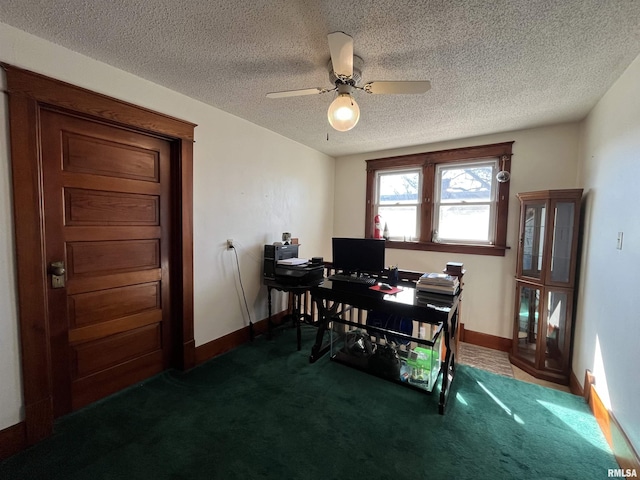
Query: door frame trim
<point x="28" y="93"/>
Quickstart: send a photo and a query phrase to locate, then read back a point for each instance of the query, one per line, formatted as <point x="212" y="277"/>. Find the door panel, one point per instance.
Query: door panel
<point x="87" y="207"/>
<point x="98" y="355"/>
<point x="107" y="217"/>
<point x="100" y="157"/>
<point x="92" y="307"/>
<point x="96" y="258"/>
<point x="90" y="388"/>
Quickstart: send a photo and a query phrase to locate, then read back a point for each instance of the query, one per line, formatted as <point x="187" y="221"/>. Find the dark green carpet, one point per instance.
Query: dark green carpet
<point x="262" y="411"/>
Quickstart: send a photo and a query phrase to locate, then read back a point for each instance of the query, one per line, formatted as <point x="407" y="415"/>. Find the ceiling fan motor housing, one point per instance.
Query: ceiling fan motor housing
<point x="358" y="63"/>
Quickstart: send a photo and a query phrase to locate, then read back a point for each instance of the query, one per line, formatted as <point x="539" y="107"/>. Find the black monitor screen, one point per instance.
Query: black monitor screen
<point x="358" y="255"/>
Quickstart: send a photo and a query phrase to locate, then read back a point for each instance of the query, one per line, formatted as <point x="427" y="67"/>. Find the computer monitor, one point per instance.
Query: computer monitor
<point x="358" y="255"/>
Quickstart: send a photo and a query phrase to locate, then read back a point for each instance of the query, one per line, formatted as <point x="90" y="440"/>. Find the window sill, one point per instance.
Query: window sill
<point x="492" y="250"/>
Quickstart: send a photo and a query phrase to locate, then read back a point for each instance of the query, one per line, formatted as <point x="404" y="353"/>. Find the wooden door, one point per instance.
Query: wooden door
<point x="30" y="95"/>
<point x="107" y="217"/>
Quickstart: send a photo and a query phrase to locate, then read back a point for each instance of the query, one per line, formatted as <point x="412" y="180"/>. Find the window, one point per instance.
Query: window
<point x="445" y="201"/>
<point x="398" y="202"/>
<point x="464" y="203"/>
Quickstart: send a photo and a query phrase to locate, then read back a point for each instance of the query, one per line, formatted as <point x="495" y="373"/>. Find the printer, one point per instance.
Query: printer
<point x="280" y="265"/>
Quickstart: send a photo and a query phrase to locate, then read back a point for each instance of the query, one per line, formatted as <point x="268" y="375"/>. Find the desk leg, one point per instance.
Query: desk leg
<point x="325" y="313"/>
<point x="269" y="322"/>
<point x="296" y="317"/>
<point x="449" y="365"/>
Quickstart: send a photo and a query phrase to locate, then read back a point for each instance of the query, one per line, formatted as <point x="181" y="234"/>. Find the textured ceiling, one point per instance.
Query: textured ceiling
<point x="493" y="65"/>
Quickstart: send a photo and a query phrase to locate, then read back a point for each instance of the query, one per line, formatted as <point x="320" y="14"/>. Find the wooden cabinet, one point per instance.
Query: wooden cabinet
<point x="545" y="281"/>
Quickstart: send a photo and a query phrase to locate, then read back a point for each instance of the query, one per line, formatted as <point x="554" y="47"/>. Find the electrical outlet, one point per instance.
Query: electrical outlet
<point x="229" y="243"/>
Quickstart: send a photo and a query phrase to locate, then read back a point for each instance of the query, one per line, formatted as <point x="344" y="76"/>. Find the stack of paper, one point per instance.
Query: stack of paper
<point x="438" y="283"/>
<point x="293" y="261"/>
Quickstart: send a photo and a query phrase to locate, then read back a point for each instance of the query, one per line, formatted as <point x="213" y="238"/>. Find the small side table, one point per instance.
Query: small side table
<point x="296" y="315"/>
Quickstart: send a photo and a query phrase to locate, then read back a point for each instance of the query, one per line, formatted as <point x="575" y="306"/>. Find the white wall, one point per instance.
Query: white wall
<point x="543" y="158"/>
<point x="607" y="336"/>
<point x="10" y="378"/>
<point x="249" y="184"/>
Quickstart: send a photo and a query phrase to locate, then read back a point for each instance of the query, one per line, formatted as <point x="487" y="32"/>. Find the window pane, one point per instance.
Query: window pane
<point x="401" y="221"/>
<point x="464" y="222"/>
<point x="398" y="188"/>
<point x="466" y="184"/>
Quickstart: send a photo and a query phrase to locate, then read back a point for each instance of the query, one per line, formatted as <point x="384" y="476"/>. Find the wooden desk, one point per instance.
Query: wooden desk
<point x="331" y="298"/>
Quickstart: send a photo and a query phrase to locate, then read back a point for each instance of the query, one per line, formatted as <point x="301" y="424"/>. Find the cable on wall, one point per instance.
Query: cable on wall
<point x="244" y="296"/>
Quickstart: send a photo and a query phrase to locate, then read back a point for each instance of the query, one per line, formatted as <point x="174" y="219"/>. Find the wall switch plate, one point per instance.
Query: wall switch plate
<point x="619" y="244"/>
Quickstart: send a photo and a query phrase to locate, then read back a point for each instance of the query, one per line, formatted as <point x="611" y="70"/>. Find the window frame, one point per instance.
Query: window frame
<point x="428" y="161"/>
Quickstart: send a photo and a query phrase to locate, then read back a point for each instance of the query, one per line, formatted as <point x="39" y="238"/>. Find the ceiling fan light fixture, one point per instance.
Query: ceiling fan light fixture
<point x="343" y="113"/>
<point x="345" y="72"/>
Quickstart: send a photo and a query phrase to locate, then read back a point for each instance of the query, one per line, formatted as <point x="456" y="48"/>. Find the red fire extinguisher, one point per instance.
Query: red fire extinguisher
<point x="377" y="227"/>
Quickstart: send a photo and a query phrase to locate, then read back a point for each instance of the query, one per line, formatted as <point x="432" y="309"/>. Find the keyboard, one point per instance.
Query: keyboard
<point x="339" y="277"/>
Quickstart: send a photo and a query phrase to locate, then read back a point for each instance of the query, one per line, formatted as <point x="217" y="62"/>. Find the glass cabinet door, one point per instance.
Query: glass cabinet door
<point x="556" y="314"/>
<point x="532" y="239"/>
<point x="528" y="315"/>
<point x="562" y="243"/>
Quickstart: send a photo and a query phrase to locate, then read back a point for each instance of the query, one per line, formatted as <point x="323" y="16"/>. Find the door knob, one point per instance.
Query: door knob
<point x="56" y="269"/>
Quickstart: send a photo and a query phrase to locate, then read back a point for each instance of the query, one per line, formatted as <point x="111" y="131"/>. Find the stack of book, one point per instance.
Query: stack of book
<point x="438" y="283"/>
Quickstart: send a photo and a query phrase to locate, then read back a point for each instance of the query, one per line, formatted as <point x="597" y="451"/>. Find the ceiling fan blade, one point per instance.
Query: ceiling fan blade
<point x="341" y="48"/>
<point x="297" y="93"/>
<point x="398" y="87"/>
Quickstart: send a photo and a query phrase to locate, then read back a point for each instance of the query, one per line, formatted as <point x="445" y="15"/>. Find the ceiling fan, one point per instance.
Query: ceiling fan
<point x="345" y="72"/>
